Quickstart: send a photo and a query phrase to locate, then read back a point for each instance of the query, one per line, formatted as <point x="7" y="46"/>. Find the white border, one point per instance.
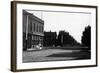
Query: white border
<point x="35" y="65"/>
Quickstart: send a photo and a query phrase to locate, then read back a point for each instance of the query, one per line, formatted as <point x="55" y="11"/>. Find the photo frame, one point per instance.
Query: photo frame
<point x="47" y="36"/>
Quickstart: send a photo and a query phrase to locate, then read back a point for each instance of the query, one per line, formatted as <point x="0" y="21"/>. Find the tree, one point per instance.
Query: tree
<point x="65" y="39"/>
<point x="86" y="38"/>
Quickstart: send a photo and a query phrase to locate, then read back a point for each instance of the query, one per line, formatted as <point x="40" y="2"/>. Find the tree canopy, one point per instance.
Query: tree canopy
<point x="86" y="37"/>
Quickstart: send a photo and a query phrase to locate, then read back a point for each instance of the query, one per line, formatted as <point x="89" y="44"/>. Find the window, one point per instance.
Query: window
<point x="37" y="27"/>
<point x="34" y="27"/>
<point x="30" y="26"/>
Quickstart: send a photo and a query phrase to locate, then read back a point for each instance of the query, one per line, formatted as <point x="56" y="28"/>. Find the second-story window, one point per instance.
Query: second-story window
<point x="30" y="26"/>
<point x="37" y="27"/>
<point x="34" y="27"/>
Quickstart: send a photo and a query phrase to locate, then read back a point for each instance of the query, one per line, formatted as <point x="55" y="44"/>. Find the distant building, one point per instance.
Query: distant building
<point x="49" y="39"/>
<point x="33" y="28"/>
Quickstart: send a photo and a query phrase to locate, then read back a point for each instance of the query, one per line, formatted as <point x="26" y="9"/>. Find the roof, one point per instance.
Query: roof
<point x="33" y="16"/>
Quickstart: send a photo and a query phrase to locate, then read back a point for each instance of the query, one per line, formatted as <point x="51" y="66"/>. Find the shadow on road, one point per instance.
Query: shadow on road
<point x="79" y="55"/>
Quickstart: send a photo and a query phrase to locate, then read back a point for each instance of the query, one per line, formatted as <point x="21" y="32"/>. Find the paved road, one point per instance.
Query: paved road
<point x="41" y="55"/>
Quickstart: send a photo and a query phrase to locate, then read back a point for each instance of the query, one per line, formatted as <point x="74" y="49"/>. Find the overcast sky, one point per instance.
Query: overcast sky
<point x="71" y="22"/>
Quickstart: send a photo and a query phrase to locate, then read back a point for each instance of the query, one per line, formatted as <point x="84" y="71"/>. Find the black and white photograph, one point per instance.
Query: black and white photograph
<point x="53" y="36"/>
<point x="56" y="35"/>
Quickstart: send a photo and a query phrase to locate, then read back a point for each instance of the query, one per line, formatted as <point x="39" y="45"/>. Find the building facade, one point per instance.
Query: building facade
<point x="49" y="39"/>
<point x="33" y="28"/>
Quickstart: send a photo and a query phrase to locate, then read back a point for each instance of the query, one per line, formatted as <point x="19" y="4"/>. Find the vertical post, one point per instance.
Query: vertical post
<point x="27" y="32"/>
<point x="41" y="15"/>
<point x="26" y="27"/>
<point x="62" y="39"/>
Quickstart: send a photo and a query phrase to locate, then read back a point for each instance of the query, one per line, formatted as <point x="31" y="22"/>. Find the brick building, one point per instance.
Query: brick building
<point x="33" y="28"/>
<point x="49" y="39"/>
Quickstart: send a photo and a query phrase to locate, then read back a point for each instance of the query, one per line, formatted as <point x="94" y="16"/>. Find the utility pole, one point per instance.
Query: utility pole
<point x="27" y="32"/>
<point x="62" y="39"/>
<point x="41" y="15"/>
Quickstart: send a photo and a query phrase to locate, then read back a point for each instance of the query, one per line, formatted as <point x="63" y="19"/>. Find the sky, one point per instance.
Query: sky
<point x="72" y="22"/>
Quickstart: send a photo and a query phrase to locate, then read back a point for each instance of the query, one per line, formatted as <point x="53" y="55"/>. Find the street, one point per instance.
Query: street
<point x="52" y="55"/>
